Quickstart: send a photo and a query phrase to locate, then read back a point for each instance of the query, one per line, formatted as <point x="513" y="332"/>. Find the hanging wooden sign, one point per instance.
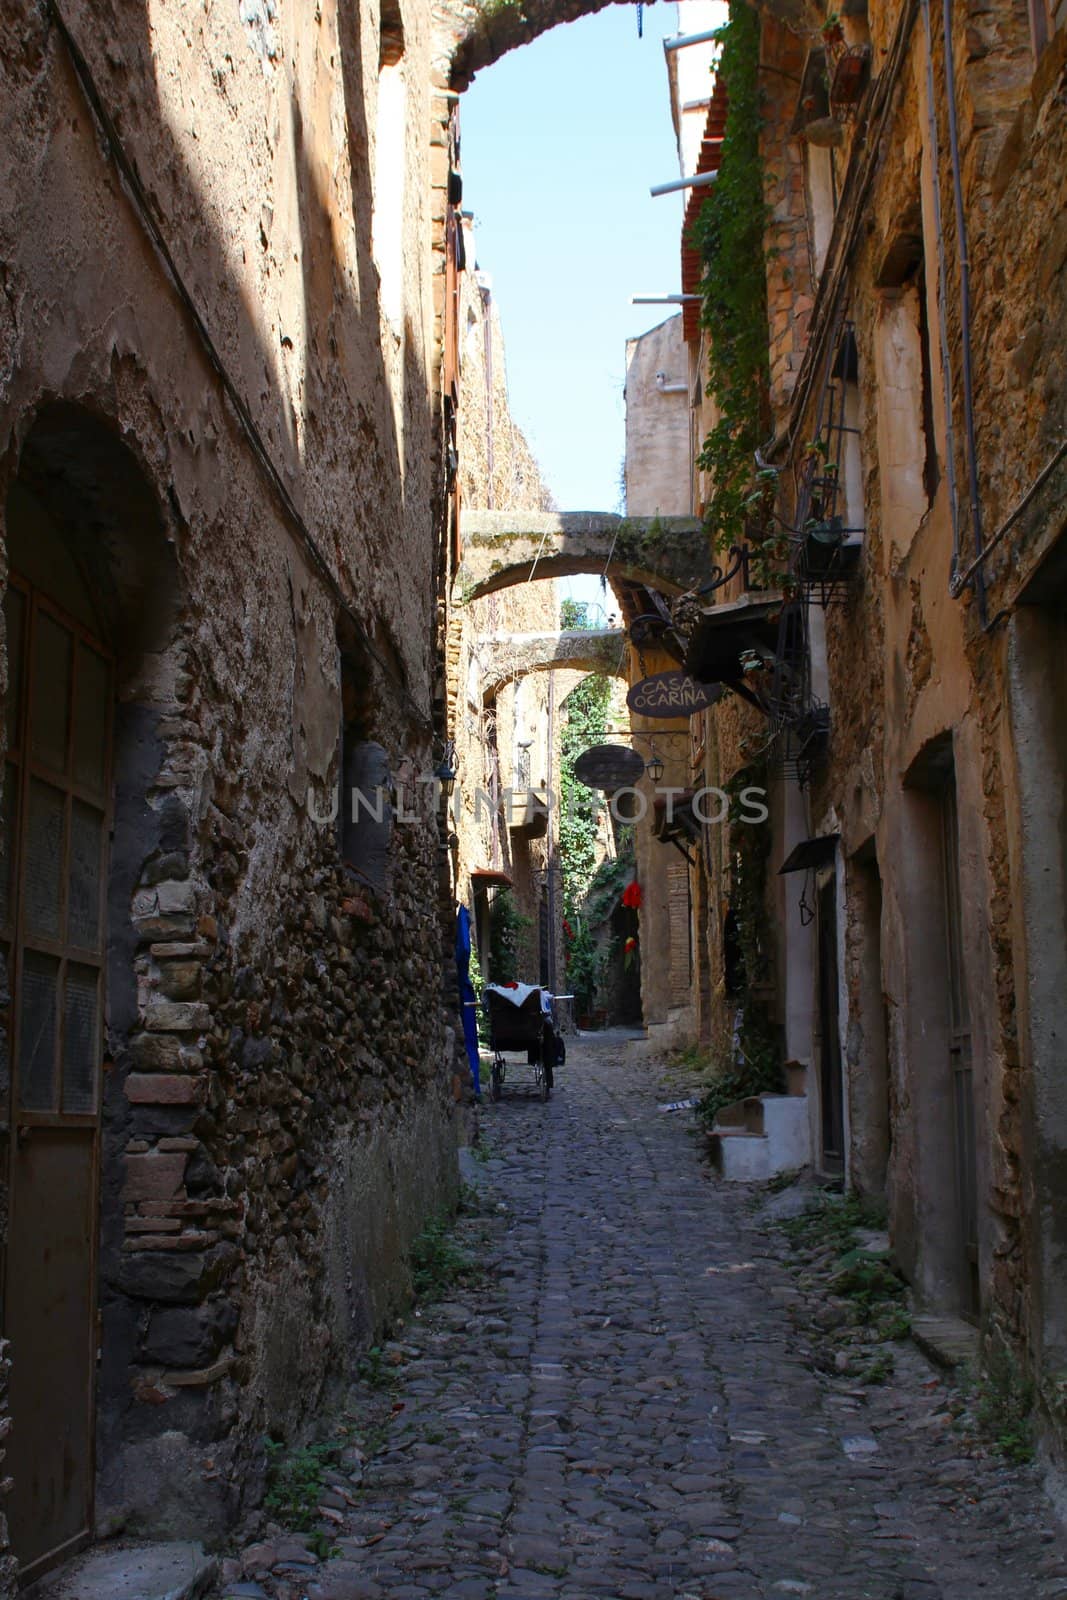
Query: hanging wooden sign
<point x="671" y="694"/>
<point x="609" y="767"/>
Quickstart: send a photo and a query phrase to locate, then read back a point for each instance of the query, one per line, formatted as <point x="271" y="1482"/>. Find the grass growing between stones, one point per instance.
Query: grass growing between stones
<point x="436" y="1262"/>
<point x="375" y="1371"/>
<point x="858" y="1299"/>
<point x="831" y="1222"/>
<point x="295" y="1486"/>
<point x="1000" y="1400"/>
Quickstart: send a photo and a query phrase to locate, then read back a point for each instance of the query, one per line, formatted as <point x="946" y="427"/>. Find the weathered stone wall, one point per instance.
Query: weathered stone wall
<point x="658" y="472"/>
<point x="789" y="264"/>
<point x="919" y="675"/>
<point x="492" y="719"/>
<point x="276" y="1124"/>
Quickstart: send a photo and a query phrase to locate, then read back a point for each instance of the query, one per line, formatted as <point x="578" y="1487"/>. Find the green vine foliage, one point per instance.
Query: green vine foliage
<point x="729" y="233"/>
<point x="583" y="967"/>
<point x="506" y="928"/>
<point x="756" y="1067"/>
<point x="587" y="721"/>
<point x="611" y="878"/>
<point x="478" y="985"/>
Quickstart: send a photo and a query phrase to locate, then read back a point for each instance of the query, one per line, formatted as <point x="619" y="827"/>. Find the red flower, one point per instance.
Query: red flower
<point x="631" y="895"/>
<point x="568" y="930"/>
<point x="630" y="946"/>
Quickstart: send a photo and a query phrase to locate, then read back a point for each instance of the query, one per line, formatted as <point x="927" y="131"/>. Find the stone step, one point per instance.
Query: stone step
<point x="948" y="1341"/>
<point x="754" y="1114"/>
<point x="128" y="1571"/>
<point x="739" y="1156"/>
<point x="779" y="1120"/>
<point x="731" y="1116"/>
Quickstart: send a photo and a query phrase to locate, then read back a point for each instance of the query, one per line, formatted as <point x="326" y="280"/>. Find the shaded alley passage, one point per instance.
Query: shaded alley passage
<point x="625" y="1407"/>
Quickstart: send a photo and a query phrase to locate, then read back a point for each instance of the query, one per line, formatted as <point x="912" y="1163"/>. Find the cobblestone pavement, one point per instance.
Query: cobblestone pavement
<point x="624" y="1408"/>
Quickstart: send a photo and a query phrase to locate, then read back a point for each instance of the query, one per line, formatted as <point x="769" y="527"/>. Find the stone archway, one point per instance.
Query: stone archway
<point x="507" y="657"/>
<point x="502" y="548"/>
<point x="484" y="33"/>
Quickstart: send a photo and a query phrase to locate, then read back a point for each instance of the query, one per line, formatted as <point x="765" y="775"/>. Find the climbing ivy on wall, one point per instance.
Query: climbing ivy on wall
<point x="729" y="234"/>
<point x="586" y="724"/>
<point x="756" y="1065"/>
<point x="507" y="927"/>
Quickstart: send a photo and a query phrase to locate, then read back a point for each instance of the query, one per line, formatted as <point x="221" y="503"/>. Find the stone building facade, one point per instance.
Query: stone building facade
<point x="911" y="640"/>
<point x="658" y="457"/>
<point x="503" y="717"/>
<point x="231" y="514"/>
<point x="222" y="494"/>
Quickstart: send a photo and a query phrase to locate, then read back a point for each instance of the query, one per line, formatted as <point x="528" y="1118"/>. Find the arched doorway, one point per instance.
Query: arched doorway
<point x="78" y="575"/>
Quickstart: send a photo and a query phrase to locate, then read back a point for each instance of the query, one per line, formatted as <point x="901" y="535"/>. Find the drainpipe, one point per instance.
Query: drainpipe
<point x="682" y="41"/>
<point x="942" y="297"/>
<point x="965" y="310"/>
<point x="699" y="180"/>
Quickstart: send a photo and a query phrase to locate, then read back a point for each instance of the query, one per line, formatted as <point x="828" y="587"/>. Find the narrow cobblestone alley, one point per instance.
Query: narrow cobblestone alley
<point x="623" y="1406"/>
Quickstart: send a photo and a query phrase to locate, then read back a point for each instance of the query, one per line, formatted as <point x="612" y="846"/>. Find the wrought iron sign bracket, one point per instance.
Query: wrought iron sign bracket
<point x="740" y="555"/>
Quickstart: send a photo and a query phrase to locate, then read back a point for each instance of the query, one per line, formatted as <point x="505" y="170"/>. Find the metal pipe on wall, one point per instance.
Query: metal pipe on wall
<point x="681" y="40"/>
<point x="699" y="180"/>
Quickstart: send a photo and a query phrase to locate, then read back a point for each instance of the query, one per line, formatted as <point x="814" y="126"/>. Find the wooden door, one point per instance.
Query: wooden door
<point x="52" y="926"/>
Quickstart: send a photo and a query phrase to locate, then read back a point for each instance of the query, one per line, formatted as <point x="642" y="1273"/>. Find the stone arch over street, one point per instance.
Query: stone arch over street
<point x="507" y="657"/>
<point x="503" y="548"/>
<point x="485" y="33"/>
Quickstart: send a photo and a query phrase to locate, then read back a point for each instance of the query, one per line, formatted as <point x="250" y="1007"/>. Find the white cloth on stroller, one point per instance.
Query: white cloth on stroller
<point x="521" y="992"/>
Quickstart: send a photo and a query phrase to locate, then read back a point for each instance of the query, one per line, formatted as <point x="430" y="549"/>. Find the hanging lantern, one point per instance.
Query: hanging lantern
<point x="445" y="771"/>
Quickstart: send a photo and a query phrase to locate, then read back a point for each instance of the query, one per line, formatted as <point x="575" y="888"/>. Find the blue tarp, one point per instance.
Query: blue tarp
<point x="466" y="992"/>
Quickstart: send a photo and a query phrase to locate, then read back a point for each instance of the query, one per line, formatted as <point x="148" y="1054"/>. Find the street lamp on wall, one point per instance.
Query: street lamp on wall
<point x="445" y="770"/>
<point x="655" y="768"/>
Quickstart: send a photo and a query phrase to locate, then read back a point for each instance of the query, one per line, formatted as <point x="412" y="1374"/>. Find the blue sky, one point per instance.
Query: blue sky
<point x="561" y="141"/>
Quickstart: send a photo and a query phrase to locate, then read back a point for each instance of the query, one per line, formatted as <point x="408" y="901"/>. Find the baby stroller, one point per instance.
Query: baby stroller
<point x="520" y="1019"/>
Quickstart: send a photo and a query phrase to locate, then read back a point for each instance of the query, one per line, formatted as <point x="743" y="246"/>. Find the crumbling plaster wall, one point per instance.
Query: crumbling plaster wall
<point x="280" y="1059"/>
